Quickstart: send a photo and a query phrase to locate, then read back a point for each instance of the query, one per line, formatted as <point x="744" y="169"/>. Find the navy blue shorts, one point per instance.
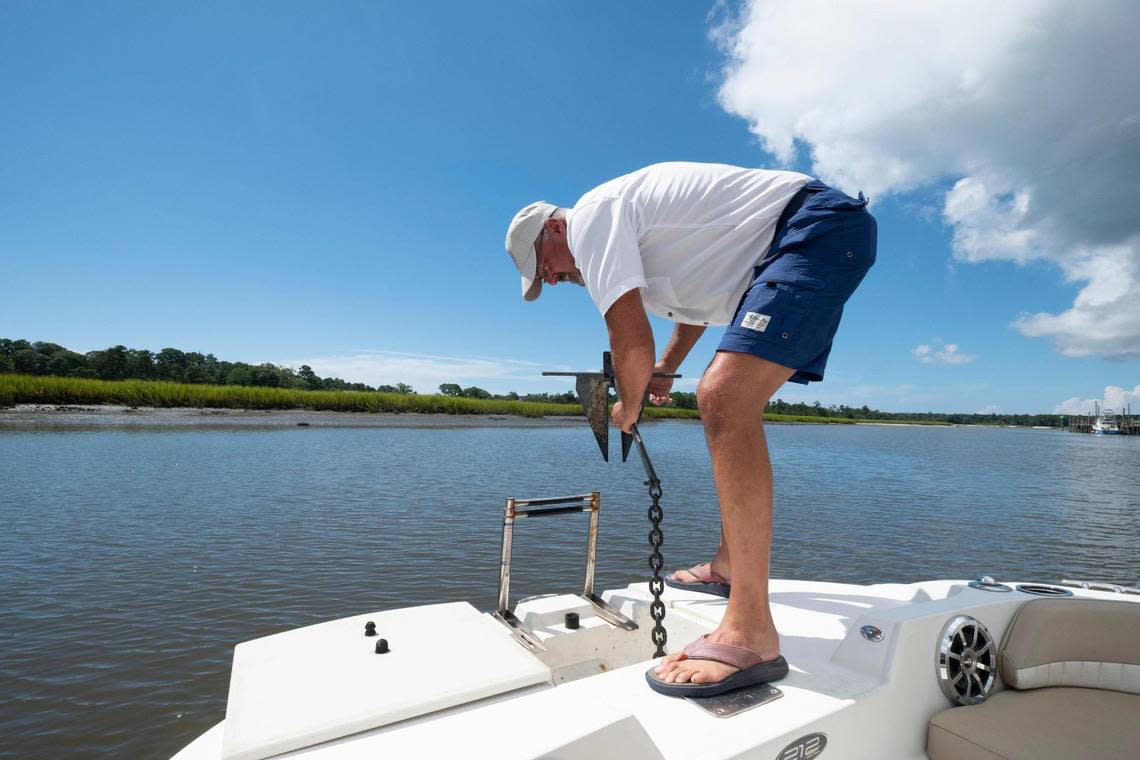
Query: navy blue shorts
<point x="824" y="245"/>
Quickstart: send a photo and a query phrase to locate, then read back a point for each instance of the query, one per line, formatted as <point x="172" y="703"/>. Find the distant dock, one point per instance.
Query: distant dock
<point x="1125" y="423"/>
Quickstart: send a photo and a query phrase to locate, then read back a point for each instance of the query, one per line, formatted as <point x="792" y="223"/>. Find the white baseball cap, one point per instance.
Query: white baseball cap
<point x="521" y="236"/>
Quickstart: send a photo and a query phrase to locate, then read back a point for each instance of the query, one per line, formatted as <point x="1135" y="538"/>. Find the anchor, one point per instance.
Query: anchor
<point x="594" y="392"/>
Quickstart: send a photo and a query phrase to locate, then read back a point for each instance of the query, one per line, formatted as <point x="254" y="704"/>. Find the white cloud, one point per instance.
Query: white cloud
<point x="1115" y="398"/>
<point x="1031" y="108"/>
<point x="941" y="353"/>
<point x="990" y="409"/>
<point x="1106" y="309"/>
<point x="425" y="372"/>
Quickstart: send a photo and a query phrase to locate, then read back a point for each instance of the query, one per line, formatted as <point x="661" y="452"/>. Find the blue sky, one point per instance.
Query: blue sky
<point x="330" y="183"/>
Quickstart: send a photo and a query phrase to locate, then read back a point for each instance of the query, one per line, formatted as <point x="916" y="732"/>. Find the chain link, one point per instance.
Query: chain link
<point x="656" y="563"/>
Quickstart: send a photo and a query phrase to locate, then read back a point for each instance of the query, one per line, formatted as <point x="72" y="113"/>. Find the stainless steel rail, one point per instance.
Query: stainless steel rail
<point x="1100" y="586"/>
<point x="518" y="509"/>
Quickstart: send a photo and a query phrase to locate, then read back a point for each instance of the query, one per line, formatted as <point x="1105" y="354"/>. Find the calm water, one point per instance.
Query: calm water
<point x="131" y="562"/>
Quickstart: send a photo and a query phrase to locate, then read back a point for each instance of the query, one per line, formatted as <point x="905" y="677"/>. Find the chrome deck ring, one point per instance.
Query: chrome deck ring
<point x="986" y="583"/>
<point x="1043" y="589"/>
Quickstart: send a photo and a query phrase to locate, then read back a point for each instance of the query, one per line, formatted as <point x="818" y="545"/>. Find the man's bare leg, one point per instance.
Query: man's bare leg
<point x="732" y="396"/>
<point x="721" y="564"/>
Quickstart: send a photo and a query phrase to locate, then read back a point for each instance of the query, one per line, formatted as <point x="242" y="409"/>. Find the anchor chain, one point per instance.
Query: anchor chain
<point x="656" y="563"/>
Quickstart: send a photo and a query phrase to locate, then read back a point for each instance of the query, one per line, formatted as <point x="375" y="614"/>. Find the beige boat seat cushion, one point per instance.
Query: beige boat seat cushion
<point x="1059" y="723"/>
<point x="1073" y="642"/>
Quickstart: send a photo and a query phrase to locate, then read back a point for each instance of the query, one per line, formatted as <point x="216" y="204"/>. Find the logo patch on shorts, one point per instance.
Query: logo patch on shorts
<point x="757" y="322"/>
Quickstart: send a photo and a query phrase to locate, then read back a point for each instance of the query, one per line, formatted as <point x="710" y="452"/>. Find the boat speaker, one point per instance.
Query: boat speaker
<point x="967" y="661"/>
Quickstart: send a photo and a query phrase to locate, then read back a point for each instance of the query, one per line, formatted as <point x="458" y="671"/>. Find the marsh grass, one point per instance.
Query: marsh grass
<point x="33" y="389"/>
<point x="39" y="389"/>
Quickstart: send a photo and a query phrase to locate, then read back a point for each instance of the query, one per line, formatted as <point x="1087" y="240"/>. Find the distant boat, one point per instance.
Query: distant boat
<point x="1106" y="424"/>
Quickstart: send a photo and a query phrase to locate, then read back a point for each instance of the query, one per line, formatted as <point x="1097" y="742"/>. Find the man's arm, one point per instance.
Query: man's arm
<point x="631" y="344"/>
<point x="680" y="343"/>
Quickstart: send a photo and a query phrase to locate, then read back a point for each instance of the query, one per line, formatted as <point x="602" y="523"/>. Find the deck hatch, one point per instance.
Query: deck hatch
<point x="314" y="684"/>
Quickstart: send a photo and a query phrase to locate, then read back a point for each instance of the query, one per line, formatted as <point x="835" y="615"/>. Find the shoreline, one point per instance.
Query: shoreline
<point x="78" y="416"/>
<point x="33" y="417"/>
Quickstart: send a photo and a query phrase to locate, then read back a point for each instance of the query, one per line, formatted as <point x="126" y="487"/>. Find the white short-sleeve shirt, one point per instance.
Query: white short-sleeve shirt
<point x="687" y="234"/>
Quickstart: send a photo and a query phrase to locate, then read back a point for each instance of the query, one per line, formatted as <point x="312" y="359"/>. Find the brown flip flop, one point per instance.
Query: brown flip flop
<point x="710" y="581"/>
<point x="753" y="670"/>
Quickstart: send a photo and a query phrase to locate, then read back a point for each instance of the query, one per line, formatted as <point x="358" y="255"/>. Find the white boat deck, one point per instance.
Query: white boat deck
<point x="307" y="686"/>
<point x="471" y="690"/>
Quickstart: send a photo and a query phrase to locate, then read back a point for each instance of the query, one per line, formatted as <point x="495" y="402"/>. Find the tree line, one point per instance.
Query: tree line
<point x="866" y="414"/>
<point x="454" y="389"/>
<point x="171" y="364"/>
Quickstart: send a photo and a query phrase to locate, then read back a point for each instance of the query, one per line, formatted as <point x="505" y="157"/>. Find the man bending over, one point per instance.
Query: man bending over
<point x="772" y="254"/>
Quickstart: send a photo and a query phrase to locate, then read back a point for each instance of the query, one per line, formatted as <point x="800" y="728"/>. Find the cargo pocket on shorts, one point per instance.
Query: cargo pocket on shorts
<point x="778" y="310"/>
